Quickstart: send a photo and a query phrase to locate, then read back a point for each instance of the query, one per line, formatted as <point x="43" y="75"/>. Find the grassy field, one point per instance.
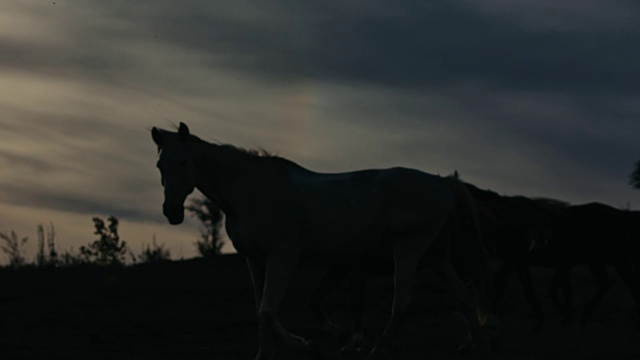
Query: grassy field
<point x="198" y="309"/>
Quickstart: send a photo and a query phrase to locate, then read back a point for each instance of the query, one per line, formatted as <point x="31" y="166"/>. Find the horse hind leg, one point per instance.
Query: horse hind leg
<point x="630" y="278"/>
<point x="357" y="278"/>
<point x="602" y="282"/>
<point x="468" y="304"/>
<point x="407" y="255"/>
<point x="328" y="284"/>
<point x="527" y="284"/>
<point x="562" y="278"/>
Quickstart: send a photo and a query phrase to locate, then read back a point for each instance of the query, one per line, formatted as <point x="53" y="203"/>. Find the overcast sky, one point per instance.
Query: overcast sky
<point x="540" y="98"/>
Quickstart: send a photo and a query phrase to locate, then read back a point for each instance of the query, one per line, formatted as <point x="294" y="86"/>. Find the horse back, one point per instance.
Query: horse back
<point x="358" y="211"/>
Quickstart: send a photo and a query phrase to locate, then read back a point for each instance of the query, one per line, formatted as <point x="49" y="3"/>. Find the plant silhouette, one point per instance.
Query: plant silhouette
<point x="210" y="242"/>
<point x="13" y="247"/>
<point x="109" y="249"/>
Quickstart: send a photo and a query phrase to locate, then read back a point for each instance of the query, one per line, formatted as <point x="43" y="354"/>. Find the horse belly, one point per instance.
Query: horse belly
<point x="344" y="238"/>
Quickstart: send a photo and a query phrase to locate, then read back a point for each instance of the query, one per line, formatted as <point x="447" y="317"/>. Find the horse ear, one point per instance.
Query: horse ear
<point x="183" y="132"/>
<point x="157" y="138"/>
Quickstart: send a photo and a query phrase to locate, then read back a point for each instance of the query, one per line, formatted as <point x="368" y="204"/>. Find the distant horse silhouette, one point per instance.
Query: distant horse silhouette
<point x="551" y="233"/>
<point x="278" y="212"/>
<point x="595" y="235"/>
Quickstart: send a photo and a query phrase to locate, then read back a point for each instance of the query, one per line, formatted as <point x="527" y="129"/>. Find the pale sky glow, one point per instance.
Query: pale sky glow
<point x="538" y="98"/>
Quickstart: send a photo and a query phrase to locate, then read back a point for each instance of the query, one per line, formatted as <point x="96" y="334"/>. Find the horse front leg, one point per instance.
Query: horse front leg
<point x="564" y="274"/>
<point x="527" y="285"/>
<point x="631" y="279"/>
<point x="357" y="286"/>
<point x="257" y="269"/>
<point x="280" y="268"/>
<point x="328" y="284"/>
<point x="500" y="284"/>
<point x="603" y="285"/>
<point x="406" y="258"/>
<point x="469" y="305"/>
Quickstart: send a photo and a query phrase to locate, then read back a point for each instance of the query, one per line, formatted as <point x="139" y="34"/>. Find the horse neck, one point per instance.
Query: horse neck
<point x="225" y="175"/>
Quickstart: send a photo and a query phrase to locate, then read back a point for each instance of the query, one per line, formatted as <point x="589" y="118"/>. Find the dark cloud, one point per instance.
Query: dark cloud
<point x="14" y="162"/>
<point x="74" y="203"/>
<point x="534" y="97"/>
<point x="410" y="45"/>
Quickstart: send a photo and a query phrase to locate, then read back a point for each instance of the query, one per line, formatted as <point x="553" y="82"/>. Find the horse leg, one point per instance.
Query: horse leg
<point x="602" y="282"/>
<point x="500" y="284"/>
<point x="562" y="278"/>
<point x="407" y="254"/>
<point x="553" y="292"/>
<point x="356" y="291"/>
<point x="278" y="275"/>
<point x="328" y="283"/>
<point x="527" y="284"/>
<point x="630" y="278"/>
<point x="257" y="269"/>
<point x="468" y="305"/>
<point x="565" y="280"/>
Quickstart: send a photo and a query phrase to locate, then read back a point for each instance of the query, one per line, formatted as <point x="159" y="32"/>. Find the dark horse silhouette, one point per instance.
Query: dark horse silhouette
<point x="551" y="233"/>
<point x="511" y="226"/>
<point x="468" y="254"/>
<point x="595" y="235"/>
<point x="277" y="214"/>
<point x="544" y="232"/>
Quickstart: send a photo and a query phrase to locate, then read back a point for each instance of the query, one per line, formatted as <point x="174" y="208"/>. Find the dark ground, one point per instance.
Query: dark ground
<point x="204" y="310"/>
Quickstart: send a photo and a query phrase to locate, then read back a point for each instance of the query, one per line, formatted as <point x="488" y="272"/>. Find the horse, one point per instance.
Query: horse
<point x="596" y="235"/>
<point x="471" y="257"/>
<point x="552" y="233"/>
<point x="512" y="227"/>
<point x="278" y="212"/>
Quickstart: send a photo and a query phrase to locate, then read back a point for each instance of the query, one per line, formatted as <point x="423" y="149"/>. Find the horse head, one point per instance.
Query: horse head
<point x="177" y="169"/>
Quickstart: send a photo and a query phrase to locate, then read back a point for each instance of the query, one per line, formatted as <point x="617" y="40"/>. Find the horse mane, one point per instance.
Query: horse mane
<point x="254" y="153"/>
<point x="258" y="152"/>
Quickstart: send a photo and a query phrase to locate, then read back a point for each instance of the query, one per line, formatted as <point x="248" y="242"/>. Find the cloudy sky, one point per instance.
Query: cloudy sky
<point x="540" y="98"/>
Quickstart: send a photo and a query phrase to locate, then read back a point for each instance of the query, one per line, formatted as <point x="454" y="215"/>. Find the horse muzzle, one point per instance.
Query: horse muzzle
<point x="175" y="214"/>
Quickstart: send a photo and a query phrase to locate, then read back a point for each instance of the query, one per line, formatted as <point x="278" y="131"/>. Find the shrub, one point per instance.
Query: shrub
<point x="109" y="249"/>
<point x="47" y="254"/>
<point x="210" y="242"/>
<point x="154" y="252"/>
<point x="13" y="247"/>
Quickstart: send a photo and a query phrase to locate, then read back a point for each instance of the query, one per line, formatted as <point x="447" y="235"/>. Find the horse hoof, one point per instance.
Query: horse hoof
<point x="467" y="346"/>
<point x="313" y="350"/>
<point x="465" y="349"/>
<point x="343" y="338"/>
<point x="540" y="321"/>
<point x="331" y="331"/>
<point x="385" y="352"/>
<point x="264" y="355"/>
<point x="352" y="350"/>
<point x="583" y="323"/>
<point x="494" y="345"/>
